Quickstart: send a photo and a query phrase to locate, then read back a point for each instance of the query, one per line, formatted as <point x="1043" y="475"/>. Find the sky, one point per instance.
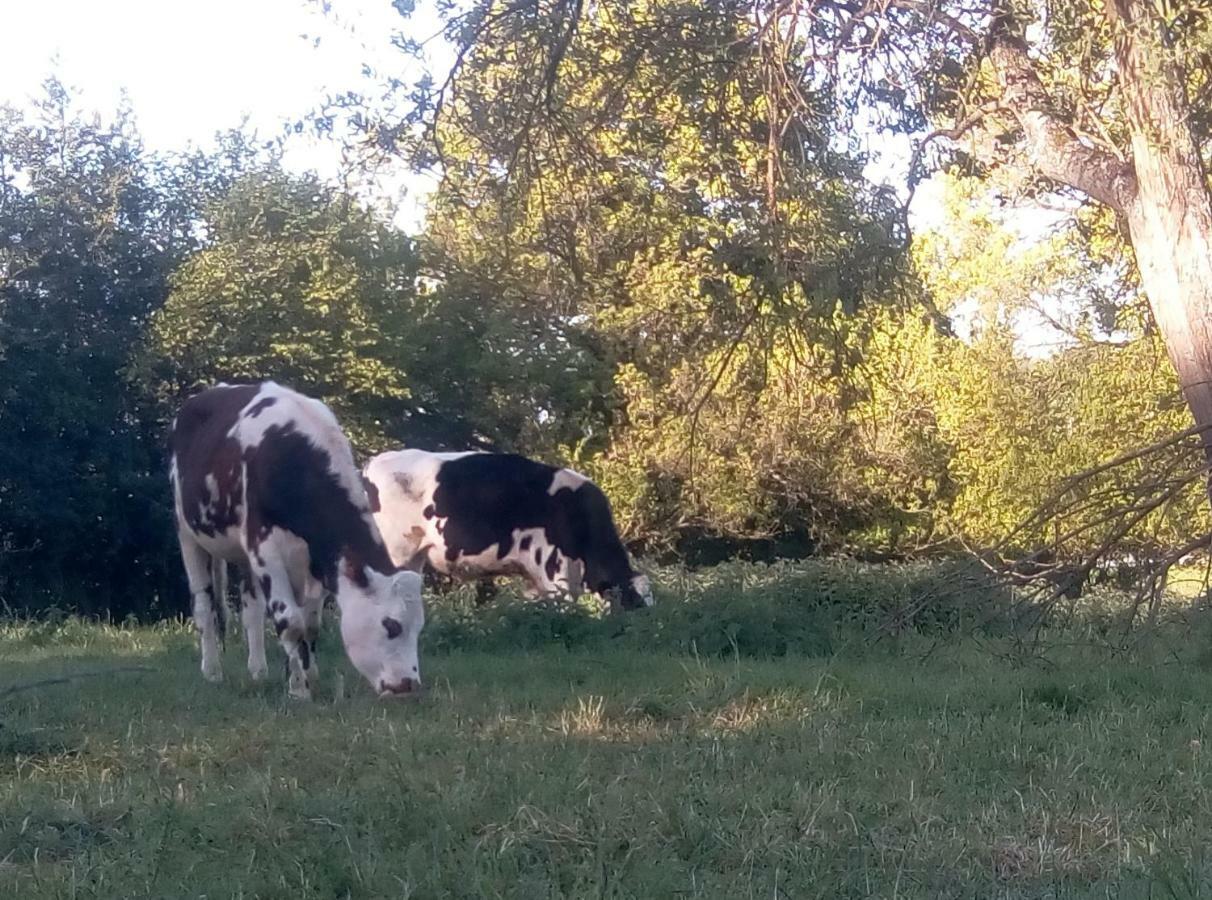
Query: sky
<point x="193" y="68"/>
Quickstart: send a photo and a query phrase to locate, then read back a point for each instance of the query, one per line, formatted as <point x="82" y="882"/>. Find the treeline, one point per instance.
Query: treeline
<point x="735" y="391"/>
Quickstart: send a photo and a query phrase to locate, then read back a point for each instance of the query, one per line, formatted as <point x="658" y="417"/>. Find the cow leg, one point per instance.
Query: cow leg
<point x="486" y="591"/>
<point x="252" y="610"/>
<point x="539" y="582"/>
<point x="313" y="609"/>
<point x="289" y="622"/>
<point x="573" y="577"/>
<point x="218" y="580"/>
<point x="202" y="590"/>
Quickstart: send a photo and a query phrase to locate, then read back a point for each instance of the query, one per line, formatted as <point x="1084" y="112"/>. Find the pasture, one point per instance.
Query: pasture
<point x="678" y="752"/>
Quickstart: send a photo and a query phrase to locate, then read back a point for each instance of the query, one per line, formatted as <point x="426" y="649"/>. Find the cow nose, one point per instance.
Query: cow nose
<point x="405" y="687"/>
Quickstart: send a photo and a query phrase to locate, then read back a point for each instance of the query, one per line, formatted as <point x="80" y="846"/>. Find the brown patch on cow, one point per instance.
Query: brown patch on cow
<point x="260" y="406"/>
<point x="393" y="628"/>
<point x="553" y="563"/>
<point x="372" y="494"/>
<point x="524" y="544"/>
<point x="200" y="447"/>
<point x="356" y="573"/>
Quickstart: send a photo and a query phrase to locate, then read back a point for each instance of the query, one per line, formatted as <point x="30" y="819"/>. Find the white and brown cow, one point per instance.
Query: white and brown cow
<point x="264" y="478"/>
<point x="471" y="515"/>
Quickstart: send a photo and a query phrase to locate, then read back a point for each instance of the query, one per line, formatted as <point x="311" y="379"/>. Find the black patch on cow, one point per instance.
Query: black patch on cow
<point x="372" y="494"/>
<point x="553" y="564"/>
<point x="393" y="628"/>
<point x="429" y="512"/>
<point x="267" y="585"/>
<point x="291" y="487"/>
<point x="538" y="556"/>
<point x="483" y="498"/>
<point x="524" y="544"/>
<point x="304" y="654"/>
<point x="279" y="626"/>
<point x="260" y="406"/>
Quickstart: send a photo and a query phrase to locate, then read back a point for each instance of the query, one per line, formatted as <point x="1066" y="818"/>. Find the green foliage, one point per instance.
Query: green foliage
<point x="297" y="283"/>
<point x="637" y="222"/>
<point x="754" y="611"/>
<point x="930" y="438"/>
<point x="87" y="241"/>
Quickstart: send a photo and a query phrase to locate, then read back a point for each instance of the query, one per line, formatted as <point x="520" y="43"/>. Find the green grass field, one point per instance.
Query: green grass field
<point x="605" y="768"/>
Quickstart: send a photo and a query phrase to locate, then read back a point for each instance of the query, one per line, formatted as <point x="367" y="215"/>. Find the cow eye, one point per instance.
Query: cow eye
<point x="394" y="629"/>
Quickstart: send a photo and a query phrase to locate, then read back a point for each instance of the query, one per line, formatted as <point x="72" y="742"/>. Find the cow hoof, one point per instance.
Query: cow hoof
<point x="214" y="676"/>
<point x="258" y="674"/>
<point x="303" y="694"/>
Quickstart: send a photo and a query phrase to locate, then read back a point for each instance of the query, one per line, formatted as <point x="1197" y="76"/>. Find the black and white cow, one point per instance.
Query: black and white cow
<point x="471" y="515"/>
<point x="264" y="478"/>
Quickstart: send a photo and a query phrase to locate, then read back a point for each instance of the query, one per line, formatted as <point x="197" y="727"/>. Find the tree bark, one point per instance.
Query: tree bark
<point x="1160" y="192"/>
<point x="1170" y="216"/>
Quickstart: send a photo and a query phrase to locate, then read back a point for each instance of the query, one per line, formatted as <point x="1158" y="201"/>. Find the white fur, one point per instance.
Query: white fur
<point x="566" y="478"/>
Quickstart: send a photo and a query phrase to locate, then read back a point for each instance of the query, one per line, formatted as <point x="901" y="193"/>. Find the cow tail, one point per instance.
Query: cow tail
<point x="218" y="578"/>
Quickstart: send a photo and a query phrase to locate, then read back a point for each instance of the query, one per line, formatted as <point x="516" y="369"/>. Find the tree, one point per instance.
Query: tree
<point x="300" y="283"/>
<point x="86" y="243"/>
<point x="628" y="207"/>
<point x="1104" y="100"/>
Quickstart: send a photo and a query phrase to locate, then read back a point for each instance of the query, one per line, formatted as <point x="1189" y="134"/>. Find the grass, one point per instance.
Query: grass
<point x="599" y="766"/>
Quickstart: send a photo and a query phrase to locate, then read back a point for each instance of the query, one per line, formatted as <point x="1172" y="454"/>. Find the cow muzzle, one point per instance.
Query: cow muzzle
<point x="407" y="688"/>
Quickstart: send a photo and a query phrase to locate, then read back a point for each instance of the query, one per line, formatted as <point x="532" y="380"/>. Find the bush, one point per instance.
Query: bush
<point x="751" y="610"/>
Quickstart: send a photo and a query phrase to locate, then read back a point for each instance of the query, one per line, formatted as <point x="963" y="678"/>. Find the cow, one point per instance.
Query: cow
<point x="475" y="515"/>
<point x="263" y="477"/>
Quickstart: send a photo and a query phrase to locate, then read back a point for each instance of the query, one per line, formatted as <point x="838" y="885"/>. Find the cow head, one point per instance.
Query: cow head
<point x="380" y="624"/>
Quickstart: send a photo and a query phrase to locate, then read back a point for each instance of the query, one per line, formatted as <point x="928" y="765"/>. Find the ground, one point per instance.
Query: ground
<point x="594" y="771"/>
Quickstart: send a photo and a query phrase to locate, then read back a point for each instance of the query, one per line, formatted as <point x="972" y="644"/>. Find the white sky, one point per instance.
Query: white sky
<point x="194" y="68"/>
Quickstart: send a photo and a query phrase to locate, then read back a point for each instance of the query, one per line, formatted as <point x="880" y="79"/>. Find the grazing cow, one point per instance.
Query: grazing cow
<point x="474" y="514"/>
<point x="263" y="477"/>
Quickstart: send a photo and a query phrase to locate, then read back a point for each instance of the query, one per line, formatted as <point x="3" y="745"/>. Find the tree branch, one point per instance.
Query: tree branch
<point x="1057" y="151"/>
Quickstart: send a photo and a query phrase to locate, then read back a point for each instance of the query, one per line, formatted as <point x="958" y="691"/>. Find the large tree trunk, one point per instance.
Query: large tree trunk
<point x="1160" y="192"/>
<point x="1170" y="216"/>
